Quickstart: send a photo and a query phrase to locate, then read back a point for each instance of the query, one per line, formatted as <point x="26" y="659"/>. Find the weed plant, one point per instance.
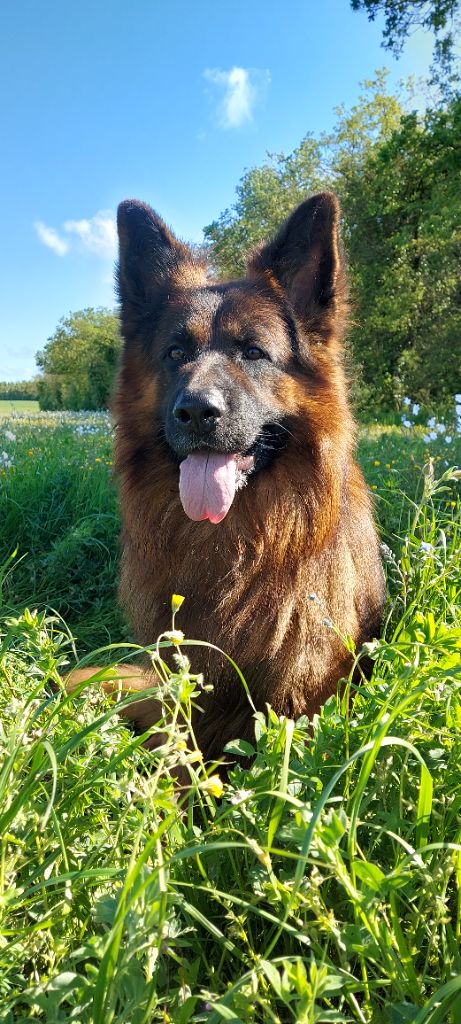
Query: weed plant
<point x="319" y="882"/>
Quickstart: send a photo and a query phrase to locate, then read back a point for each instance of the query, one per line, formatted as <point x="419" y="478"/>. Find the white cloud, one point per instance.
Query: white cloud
<point x="51" y="238"/>
<point x="97" y="235"/>
<point x="241" y="88"/>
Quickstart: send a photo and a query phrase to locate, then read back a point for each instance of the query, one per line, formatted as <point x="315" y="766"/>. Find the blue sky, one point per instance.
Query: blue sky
<point x="165" y="101"/>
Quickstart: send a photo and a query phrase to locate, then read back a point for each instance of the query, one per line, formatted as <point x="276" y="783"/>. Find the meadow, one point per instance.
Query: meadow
<point x="322" y="883"/>
<point x="10" y="407"/>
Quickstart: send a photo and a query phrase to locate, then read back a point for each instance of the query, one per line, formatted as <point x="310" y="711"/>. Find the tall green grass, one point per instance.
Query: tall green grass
<point x="320" y="883"/>
<point x="58" y="509"/>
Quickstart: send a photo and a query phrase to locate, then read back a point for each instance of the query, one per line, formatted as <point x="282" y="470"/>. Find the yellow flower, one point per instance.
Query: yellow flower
<point x="98" y="460"/>
<point x="376" y="462"/>
<point x="176" y="601"/>
<point x="388" y="465"/>
<point x="195" y="756"/>
<point x="213" y="785"/>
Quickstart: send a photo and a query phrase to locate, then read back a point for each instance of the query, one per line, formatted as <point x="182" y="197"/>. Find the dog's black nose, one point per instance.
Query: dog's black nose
<point x="198" y="412"/>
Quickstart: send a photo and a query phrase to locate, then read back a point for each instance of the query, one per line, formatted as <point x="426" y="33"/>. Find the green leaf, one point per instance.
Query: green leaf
<point x="240" y="747"/>
<point x="424" y="806"/>
<point x="370" y="874"/>
<point x="226" y="1013"/>
<point x="401" y="1013"/>
<point x="272" y="976"/>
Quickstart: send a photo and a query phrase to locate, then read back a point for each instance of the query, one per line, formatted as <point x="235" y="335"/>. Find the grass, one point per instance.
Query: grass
<point x="9" y="407"/>
<point x="58" y="509"/>
<point x="323" y="883"/>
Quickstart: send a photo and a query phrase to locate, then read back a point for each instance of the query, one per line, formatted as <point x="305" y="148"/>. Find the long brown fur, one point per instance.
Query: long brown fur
<point x="298" y="546"/>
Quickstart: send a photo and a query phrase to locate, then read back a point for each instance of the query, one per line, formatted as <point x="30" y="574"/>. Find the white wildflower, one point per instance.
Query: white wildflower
<point x="415" y="409"/>
<point x="406" y="401"/>
<point x="9" y="435"/>
<point x="448" y="439"/>
<point x="240" y="796"/>
<point x="425" y="547"/>
<point x="405" y="422"/>
<point x="431" y="423"/>
<point x="441" y="428"/>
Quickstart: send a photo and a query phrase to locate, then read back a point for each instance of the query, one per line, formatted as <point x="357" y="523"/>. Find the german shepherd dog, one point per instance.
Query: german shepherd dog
<point x="235" y="458"/>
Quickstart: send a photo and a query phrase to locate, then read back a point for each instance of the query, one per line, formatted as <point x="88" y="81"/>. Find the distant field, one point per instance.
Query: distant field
<point x="9" y="406"/>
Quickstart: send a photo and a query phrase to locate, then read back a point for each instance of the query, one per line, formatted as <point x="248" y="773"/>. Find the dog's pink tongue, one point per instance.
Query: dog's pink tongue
<point x="207" y="485"/>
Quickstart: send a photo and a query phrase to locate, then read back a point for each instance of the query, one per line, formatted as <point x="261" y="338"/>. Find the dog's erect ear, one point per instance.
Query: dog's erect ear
<point x="149" y="253"/>
<point x="150" y="260"/>
<point x="305" y="259"/>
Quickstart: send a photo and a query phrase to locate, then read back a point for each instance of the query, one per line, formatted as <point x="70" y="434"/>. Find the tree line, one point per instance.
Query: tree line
<point x="397" y="174"/>
<point x="19" y="390"/>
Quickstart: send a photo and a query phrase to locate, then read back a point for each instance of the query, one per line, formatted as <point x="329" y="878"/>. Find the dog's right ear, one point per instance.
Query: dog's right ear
<point x="149" y="258"/>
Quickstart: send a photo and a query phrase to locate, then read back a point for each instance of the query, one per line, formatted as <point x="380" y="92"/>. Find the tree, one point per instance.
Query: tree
<point x="265" y="196"/>
<point x="404" y="238"/>
<point x="79" y="361"/>
<point x="21" y="389"/>
<point x="401" y="17"/>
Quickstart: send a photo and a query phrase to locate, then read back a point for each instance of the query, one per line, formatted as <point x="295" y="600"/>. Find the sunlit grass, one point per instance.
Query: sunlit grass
<point x="58" y="509"/>
<point x="323" y="883"/>
<point x="16" y="405"/>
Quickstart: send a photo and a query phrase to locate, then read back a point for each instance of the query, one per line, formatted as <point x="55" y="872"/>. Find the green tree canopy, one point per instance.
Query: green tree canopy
<point x="402" y="17"/>
<point x="403" y="212"/>
<point x="78" y="362"/>
<point x="20" y="389"/>
<point x="267" y="194"/>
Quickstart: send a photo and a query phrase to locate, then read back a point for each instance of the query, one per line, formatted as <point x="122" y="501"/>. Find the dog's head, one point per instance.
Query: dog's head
<point x="229" y="364"/>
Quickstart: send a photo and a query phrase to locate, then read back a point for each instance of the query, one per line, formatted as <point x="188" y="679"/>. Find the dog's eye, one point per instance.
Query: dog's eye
<point x="176" y="353"/>
<point x="253" y="352"/>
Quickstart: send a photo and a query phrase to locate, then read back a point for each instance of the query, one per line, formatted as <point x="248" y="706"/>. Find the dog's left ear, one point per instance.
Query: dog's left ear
<point x="305" y="258"/>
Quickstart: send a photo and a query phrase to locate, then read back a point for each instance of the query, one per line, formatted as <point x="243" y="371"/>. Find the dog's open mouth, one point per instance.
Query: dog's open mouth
<point x="208" y="482"/>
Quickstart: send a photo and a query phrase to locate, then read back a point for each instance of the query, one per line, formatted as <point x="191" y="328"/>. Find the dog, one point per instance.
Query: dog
<point x="234" y="454"/>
